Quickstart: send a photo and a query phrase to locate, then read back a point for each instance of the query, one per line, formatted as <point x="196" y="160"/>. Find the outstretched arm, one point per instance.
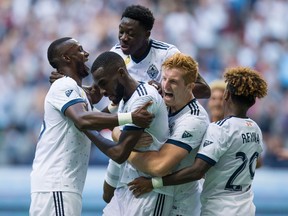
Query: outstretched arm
<point x="91" y="120"/>
<point x="119" y="151"/>
<point x="158" y="163"/>
<point x="195" y="172"/>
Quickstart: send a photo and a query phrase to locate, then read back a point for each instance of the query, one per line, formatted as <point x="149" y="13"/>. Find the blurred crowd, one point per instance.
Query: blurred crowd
<point x="217" y="33"/>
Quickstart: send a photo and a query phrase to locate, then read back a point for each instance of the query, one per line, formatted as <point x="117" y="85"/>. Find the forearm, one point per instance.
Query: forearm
<point x="119" y="152"/>
<point x="182" y="176"/>
<point x="149" y="162"/>
<point x="97" y="121"/>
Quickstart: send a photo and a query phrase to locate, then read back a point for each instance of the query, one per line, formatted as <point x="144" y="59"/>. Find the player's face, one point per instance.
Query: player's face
<point x="215" y="104"/>
<point x="176" y="93"/>
<point x="132" y="37"/>
<point x="109" y="85"/>
<point x="78" y="56"/>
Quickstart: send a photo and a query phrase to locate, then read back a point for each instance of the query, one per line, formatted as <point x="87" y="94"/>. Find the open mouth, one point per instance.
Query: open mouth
<point x="169" y="95"/>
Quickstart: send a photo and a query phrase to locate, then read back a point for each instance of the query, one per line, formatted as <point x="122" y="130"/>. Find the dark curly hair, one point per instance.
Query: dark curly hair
<point x="107" y="60"/>
<point x="245" y="84"/>
<point x="141" y="14"/>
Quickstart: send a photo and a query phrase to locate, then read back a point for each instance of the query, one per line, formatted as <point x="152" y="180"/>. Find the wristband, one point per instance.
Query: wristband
<point x="125" y="118"/>
<point x="112" y="108"/>
<point x="157" y="182"/>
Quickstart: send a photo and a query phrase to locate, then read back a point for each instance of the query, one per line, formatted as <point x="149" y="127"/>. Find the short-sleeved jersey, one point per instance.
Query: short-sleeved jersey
<point x="232" y="146"/>
<point x="148" y="68"/>
<point x="187" y="128"/>
<point x="62" y="152"/>
<point x="158" y="129"/>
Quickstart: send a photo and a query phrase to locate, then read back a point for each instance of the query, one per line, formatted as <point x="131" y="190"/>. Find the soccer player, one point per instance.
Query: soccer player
<point x="215" y="102"/>
<point x="228" y="153"/>
<point x="143" y="57"/>
<point x="111" y="75"/>
<point x="62" y="152"/>
<point x="188" y="121"/>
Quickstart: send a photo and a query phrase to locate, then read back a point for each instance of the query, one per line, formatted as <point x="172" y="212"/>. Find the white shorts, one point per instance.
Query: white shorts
<point x="236" y="205"/>
<point x="55" y="203"/>
<point x="149" y="204"/>
<point x="186" y="201"/>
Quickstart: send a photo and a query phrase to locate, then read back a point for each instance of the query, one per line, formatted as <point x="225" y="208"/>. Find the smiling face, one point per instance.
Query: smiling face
<point x="176" y="93"/>
<point x="133" y="37"/>
<point x="77" y="56"/>
<point x="109" y="84"/>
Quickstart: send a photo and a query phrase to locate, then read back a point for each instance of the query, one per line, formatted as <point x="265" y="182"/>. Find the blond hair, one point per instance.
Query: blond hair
<point x="218" y="84"/>
<point x="185" y="63"/>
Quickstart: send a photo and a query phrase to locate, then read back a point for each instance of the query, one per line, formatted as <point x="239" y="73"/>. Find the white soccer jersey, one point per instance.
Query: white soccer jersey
<point x="232" y="146"/>
<point x="148" y="68"/>
<point x="187" y="128"/>
<point x="62" y="152"/>
<point x="158" y="128"/>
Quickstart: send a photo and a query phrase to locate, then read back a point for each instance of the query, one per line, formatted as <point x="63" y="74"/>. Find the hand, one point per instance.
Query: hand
<point x="144" y="141"/>
<point x="54" y="76"/>
<point x="93" y="93"/>
<point x="141" y="117"/>
<point x="156" y="85"/>
<point x="140" y="186"/>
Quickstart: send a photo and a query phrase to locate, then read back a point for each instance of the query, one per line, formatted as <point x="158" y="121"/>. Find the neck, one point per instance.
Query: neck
<point x="142" y="51"/>
<point x="68" y="72"/>
<point x="237" y="111"/>
<point x="129" y="88"/>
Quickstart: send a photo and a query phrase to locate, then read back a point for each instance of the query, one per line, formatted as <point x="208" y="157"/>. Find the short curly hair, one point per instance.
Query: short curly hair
<point x="245" y="84"/>
<point x="141" y="14"/>
<point x="185" y="63"/>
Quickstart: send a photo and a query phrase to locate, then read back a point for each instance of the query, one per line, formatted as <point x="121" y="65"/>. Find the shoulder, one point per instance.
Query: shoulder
<point x="64" y="82"/>
<point x="160" y="45"/>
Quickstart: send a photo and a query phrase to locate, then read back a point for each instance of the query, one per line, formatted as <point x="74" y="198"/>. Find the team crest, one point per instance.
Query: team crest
<point x="207" y="142"/>
<point x="152" y="71"/>
<point x="186" y="134"/>
<point x="68" y="92"/>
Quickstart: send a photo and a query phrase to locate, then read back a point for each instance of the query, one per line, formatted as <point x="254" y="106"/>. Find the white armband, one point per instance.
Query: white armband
<point x="125" y="118"/>
<point x="157" y="182"/>
<point x="112" y="108"/>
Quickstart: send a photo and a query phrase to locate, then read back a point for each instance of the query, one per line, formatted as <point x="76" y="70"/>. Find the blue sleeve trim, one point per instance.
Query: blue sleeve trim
<point x="128" y="128"/>
<point x="205" y="158"/>
<point x="70" y="103"/>
<point x="180" y="144"/>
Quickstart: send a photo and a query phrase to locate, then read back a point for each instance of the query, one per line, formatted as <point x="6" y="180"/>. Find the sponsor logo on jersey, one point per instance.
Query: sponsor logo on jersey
<point x="68" y="92"/>
<point x="207" y="142"/>
<point x="249" y="124"/>
<point x="127" y="60"/>
<point x="152" y="71"/>
<point x="186" y="134"/>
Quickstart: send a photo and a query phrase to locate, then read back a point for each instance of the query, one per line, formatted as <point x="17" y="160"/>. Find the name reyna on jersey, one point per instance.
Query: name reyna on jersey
<point x="250" y="137"/>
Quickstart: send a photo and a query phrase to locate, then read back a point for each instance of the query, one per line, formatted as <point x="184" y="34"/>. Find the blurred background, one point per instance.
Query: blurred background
<point x="217" y="33"/>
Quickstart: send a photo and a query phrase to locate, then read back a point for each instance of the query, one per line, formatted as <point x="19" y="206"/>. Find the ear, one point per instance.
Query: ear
<point x="66" y="58"/>
<point x="148" y="34"/>
<point x="226" y="95"/>
<point x="121" y="72"/>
